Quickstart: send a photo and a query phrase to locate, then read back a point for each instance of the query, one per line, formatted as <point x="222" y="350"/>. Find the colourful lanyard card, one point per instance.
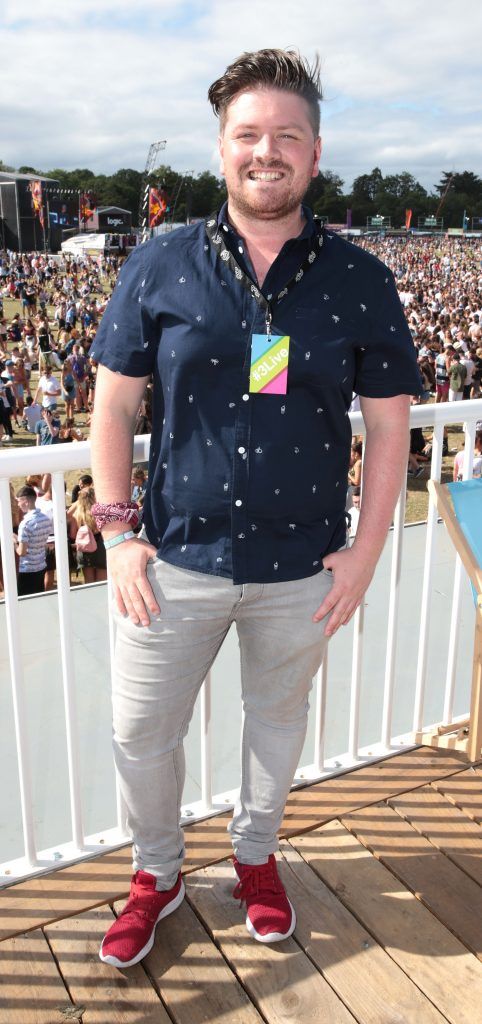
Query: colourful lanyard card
<point x="269" y="364"/>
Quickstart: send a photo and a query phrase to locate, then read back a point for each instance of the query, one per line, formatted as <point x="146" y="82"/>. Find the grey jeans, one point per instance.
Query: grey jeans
<point x="157" y="676"/>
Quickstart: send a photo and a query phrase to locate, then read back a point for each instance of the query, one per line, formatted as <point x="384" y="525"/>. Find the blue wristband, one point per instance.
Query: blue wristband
<point x="121" y="537"/>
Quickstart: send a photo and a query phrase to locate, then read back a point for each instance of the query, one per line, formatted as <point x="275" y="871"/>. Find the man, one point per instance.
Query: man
<point x="442" y="380"/>
<point x="457" y="375"/>
<point x="32" y="414"/>
<point x="257" y="326"/>
<point x="48" y="428"/>
<point x="33" y="533"/>
<point x="50" y="388"/>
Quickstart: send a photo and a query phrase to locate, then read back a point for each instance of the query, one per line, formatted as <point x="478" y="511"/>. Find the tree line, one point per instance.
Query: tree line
<point x="457" y="194"/>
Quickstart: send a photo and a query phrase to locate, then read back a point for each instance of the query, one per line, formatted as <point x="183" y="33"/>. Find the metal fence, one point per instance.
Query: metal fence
<point x="60" y="459"/>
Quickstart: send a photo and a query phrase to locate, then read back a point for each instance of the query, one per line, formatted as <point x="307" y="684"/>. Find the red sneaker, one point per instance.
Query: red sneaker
<point x="270" y="915"/>
<point x="132" y="936"/>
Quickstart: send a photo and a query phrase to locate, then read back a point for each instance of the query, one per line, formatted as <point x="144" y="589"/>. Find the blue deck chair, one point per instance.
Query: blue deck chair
<point x="463" y="518"/>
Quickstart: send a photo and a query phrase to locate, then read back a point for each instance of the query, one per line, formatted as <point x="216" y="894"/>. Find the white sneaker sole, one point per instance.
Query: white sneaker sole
<point x="169" y="909"/>
<point x="273" y="936"/>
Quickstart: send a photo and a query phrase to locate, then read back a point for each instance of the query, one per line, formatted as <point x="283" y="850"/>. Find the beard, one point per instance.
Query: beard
<point x="267" y="201"/>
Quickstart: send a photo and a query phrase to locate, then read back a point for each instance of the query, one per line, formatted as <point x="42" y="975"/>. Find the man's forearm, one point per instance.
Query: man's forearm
<point x="112" y="438"/>
<point x="384" y="472"/>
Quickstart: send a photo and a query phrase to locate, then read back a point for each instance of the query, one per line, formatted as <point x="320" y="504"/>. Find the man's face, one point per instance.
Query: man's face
<point x="268" y="153"/>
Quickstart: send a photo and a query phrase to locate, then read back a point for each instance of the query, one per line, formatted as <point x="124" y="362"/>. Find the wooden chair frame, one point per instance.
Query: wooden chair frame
<point x="466" y="736"/>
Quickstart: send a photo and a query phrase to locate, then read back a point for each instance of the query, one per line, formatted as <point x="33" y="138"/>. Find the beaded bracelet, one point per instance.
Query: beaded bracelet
<point x="116" y="512"/>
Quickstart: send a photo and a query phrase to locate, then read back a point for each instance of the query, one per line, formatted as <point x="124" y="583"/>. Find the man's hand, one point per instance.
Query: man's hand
<point x="351" y="578"/>
<point x="132" y="591"/>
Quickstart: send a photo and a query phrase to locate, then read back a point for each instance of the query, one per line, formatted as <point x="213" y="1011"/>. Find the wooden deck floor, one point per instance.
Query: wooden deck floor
<point x="384" y="866"/>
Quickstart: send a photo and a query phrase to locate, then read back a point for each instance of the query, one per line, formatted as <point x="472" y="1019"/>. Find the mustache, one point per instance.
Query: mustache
<point x="272" y="165"/>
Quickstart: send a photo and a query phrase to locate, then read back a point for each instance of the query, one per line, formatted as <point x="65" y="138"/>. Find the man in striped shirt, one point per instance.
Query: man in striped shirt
<point x="33" y="532"/>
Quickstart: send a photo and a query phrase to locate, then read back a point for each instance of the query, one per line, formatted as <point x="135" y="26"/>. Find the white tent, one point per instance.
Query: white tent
<point x="84" y="245"/>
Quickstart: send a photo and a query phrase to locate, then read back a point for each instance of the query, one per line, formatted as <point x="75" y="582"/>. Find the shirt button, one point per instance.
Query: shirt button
<point x="245" y="398"/>
<point x="241" y="450"/>
<point x="238" y="502"/>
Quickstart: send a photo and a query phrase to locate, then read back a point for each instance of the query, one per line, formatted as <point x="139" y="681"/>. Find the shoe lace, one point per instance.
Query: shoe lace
<point x="139" y="905"/>
<point x="257" y="880"/>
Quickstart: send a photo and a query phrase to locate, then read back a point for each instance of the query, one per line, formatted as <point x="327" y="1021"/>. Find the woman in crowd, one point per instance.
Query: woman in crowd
<point x="92" y="563"/>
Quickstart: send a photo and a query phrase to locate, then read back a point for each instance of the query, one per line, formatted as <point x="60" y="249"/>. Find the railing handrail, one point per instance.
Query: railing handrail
<point x="66" y="457"/>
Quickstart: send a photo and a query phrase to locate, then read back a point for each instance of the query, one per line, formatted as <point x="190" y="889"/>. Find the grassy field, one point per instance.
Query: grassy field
<point x="417" y="497"/>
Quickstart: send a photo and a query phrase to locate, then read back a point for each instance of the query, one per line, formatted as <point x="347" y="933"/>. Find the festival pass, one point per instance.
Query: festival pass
<point x="269" y="364"/>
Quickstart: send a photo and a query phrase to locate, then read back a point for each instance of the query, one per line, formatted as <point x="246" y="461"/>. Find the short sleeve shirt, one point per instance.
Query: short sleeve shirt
<point x="252" y="486"/>
<point x="33" y="531"/>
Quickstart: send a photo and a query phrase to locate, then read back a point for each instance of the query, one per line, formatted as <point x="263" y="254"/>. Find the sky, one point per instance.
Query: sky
<point x="92" y="83"/>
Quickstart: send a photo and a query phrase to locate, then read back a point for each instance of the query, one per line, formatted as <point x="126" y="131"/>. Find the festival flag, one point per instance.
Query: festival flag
<point x="36" y="190"/>
<point x="88" y="206"/>
<point x="158" y="206"/>
<point x="408" y="219"/>
<point x="348" y="218"/>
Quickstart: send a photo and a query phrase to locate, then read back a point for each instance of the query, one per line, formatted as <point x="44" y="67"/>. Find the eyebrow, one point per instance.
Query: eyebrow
<point x="279" y="127"/>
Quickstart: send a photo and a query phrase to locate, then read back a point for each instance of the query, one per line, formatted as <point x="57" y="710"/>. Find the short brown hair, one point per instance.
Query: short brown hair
<point x="269" y="69"/>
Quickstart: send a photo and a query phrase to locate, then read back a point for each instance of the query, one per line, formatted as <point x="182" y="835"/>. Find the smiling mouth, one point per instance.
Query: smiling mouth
<point x="265" y="175"/>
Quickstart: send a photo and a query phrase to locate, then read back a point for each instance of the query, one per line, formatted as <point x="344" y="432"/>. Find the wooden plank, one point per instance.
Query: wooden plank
<point x="308" y="808"/>
<point x="430" y="955"/>
<point x="346" y="952"/>
<point x="191" y="975"/>
<point x="447" y="828"/>
<point x="31" y="989"/>
<point x="75" y="889"/>
<point x="465" y="791"/>
<point x="119" y="997"/>
<point x="279" y="978"/>
<point x="446" y="890"/>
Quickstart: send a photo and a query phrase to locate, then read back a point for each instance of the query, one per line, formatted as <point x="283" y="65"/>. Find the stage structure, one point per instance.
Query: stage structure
<point x="378" y="223"/>
<point x="431" y="223"/>
<point x="154" y="149"/>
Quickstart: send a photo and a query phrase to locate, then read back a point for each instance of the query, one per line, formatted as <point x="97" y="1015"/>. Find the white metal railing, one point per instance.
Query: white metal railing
<point x="58" y="460"/>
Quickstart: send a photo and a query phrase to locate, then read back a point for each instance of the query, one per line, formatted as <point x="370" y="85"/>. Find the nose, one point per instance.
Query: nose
<point x="266" y="148"/>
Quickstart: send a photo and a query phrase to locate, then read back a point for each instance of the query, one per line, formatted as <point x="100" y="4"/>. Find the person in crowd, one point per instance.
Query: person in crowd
<point x="32" y="414"/>
<point x="68" y="390"/>
<point x="50" y="388"/>
<point x="92" y="563"/>
<point x="139" y="483"/>
<point x="85" y="480"/>
<point x="457" y="375"/>
<point x="31" y="543"/>
<point x="48" y="427"/>
<point x="476" y="463"/>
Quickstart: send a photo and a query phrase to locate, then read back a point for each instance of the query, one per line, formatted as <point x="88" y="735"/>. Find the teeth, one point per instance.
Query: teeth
<point x="265" y="175"/>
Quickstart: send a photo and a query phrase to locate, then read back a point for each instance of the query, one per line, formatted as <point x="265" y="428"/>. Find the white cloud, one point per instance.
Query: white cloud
<point x="92" y="83"/>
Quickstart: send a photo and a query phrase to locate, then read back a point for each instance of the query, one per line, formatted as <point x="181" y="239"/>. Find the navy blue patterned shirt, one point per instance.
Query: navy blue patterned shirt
<point x="253" y="486"/>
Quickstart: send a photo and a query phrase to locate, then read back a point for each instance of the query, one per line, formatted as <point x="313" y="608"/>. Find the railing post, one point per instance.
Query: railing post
<point x="394" y="602"/>
<point x="67" y="656"/>
<point x="320" y="712"/>
<point x="421" y="677"/>
<point x="206" y="745"/>
<point x="16" y="667"/>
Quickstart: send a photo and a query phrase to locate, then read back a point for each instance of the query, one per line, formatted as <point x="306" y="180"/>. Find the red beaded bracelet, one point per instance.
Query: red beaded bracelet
<point x="117" y="512"/>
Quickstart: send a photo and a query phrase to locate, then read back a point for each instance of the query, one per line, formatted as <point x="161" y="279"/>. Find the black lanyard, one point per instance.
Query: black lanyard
<point x="215" y="235"/>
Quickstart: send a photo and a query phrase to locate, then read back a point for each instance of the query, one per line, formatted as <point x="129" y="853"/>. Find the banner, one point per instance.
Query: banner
<point x="408" y="219"/>
<point x="88" y="206"/>
<point x="36" y="190"/>
<point x="158" y="206"/>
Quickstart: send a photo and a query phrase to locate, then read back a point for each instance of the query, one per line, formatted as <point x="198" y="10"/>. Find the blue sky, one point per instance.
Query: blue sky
<point x="91" y="83"/>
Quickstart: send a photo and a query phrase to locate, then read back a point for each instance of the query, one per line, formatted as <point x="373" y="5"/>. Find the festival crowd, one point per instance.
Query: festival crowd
<point x="50" y="309"/>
